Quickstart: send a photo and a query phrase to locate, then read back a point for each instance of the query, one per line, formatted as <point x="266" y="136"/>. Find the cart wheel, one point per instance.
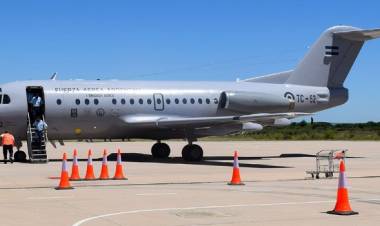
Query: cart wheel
<point x="317" y="176"/>
<point x="327" y="175"/>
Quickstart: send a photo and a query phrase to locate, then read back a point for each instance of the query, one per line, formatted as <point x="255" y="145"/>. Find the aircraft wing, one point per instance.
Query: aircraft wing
<point x="197" y="122"/>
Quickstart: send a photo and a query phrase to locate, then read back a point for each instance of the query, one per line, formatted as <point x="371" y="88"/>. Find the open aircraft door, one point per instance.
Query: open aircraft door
<point x="32" y="91"/>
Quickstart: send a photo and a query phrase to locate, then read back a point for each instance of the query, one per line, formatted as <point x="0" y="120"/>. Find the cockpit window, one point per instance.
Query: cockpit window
<point x="6" y="99"/>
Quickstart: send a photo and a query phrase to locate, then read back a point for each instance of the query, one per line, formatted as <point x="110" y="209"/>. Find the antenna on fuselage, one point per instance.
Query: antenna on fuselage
<point x="54" y="76"/>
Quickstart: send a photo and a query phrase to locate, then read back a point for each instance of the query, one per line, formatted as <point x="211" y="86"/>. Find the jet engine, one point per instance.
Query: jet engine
<point x="251" y="126"/>
<point x="254" y="102"/>
<point x="281" y="122"/>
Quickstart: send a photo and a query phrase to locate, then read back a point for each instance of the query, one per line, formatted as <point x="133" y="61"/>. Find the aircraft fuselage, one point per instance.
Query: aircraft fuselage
<point x="79" y="109"/>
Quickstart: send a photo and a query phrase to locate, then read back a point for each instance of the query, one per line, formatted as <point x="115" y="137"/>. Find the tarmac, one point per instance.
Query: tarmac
<point x="277" y="190"/>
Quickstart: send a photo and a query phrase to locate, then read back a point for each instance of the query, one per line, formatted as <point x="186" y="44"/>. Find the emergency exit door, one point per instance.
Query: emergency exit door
<point x="158" y="101"/>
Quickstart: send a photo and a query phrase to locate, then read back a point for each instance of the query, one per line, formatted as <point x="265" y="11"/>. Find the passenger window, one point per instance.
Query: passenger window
<point x="141" y="101"/>
<point x="6" y="99"/>
<point x="167" y="101"/>
<point x="176" y="100"/>
<point x="122" y="101"/>
<point x="199" y="101"/>
<point x="192" y="101"/>
<point x="77" y="101"/>
<point x="87" y="101"/>
<point x="59" y="101"/>
<point x="149" y="101"/>
<point x="96" y="101"/>
<point x="184" y="101"/>
<point x="132" y="101"/>
<point x="158" y="101"/>
<point x="114" y="101"/>
<point x="1" y="97"/>
<point x="216" y="101"/>
<point x="207" y="101"/>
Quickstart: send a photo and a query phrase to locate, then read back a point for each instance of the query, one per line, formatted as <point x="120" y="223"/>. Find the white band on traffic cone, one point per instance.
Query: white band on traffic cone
<point x="75" y="160"/>
<point x="104" y="160"/>
<point x="64" y="166"/>
<point x="236" y="162"/>
<point x="119" y="158"/>
<point x="89" y="161"/>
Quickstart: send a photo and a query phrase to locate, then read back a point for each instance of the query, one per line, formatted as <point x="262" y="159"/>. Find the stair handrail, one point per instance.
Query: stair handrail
<point x="45" y="129"/>
<point x="30" y="137"/>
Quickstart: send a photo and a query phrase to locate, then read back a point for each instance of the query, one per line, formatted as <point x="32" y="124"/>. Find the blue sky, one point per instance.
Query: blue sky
<point x="183" y="40"/>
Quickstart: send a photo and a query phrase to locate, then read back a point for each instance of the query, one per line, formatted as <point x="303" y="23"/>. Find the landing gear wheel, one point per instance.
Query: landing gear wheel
<point x="160" y="150"/>
<point x="192" y="153"/>
<point x="19" y="156"/>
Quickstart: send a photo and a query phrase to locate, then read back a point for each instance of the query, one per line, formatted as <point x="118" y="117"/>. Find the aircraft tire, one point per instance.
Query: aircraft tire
<point x="19" y="156"/>
<point x="160" y="150"/>
<point x="192" y="153"/>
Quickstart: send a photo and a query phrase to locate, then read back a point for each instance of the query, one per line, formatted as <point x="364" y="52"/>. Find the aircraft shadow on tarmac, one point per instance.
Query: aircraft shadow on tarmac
<point x="208" y="160"/>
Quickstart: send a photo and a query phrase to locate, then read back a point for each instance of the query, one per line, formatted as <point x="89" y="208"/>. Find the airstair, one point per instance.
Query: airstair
<point x="36" y="146"/>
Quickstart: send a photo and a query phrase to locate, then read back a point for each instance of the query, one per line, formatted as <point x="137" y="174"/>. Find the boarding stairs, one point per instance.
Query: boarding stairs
<point x="36" y="147"/>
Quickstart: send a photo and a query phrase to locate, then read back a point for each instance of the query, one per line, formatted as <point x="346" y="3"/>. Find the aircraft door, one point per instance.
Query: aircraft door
<point x="36" y="102"/>
<point x="158" y="100"/>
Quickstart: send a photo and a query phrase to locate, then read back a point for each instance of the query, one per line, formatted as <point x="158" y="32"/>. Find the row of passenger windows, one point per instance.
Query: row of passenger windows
<point x="148" y="101"/>
<point x="4" y="99"/>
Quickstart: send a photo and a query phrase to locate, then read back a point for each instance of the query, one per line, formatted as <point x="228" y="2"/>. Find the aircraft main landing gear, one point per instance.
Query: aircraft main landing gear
<point x="192" y="153"/>
<point x="160" y="150"/>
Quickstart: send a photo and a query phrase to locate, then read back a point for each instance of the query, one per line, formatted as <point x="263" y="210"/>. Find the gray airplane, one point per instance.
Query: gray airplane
<point x="162" y="110"/>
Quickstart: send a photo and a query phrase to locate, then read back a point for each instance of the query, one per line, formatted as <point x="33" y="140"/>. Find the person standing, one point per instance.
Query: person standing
<point x="36" y="102"/>
<point x="8" y="141"/>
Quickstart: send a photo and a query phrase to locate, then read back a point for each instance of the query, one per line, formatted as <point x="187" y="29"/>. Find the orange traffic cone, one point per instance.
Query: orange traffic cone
<point x="75" y="167"/>
<point x="119" y="174"/>
<point x="235" y="180"/>
<point x="342" y="206"/>
<point x="104" y="172"/>
<point x="90" y="168"/>
<point x="64" y="183"/>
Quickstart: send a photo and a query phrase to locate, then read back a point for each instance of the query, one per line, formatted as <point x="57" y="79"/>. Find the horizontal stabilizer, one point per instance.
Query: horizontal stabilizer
<point x="360" y="35"/>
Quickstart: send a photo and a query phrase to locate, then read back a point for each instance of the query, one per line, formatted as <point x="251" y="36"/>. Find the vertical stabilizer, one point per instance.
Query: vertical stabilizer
<point x="330" y="59"/>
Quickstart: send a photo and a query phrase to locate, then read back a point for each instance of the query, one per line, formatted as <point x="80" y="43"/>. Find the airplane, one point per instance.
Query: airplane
<point x="163" y="110"/>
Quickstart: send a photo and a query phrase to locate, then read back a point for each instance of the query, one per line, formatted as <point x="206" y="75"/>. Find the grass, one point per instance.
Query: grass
<point x="316" y="131"/>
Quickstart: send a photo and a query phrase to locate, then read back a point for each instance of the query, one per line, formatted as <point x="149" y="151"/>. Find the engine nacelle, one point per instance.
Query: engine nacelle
<point x="251" y="126"/>
<point x="254" y="102"/>
<point x="281" y="122"/>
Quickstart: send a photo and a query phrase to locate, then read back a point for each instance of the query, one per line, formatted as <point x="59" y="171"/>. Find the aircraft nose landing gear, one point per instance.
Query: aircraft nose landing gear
<point x="160" y="150"/>
<point x="192" y="153"/>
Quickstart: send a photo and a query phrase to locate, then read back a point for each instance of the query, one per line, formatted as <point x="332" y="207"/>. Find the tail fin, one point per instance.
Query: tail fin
<point x="330" y="59"/>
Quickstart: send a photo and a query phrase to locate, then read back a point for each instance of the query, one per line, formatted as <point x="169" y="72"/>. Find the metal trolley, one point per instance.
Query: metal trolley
<point x="327" y="162"/>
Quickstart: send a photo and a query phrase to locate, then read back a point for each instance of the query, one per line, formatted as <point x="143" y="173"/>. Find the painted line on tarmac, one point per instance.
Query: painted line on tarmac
<point x="50" y="197"/>
<point x="78" y="223"/>
<point x="156" y="194"/>
<point x="170" y="183"/>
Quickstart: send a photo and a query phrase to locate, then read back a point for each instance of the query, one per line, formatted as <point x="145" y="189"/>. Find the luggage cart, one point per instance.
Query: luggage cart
<point x="327" y="162"/>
